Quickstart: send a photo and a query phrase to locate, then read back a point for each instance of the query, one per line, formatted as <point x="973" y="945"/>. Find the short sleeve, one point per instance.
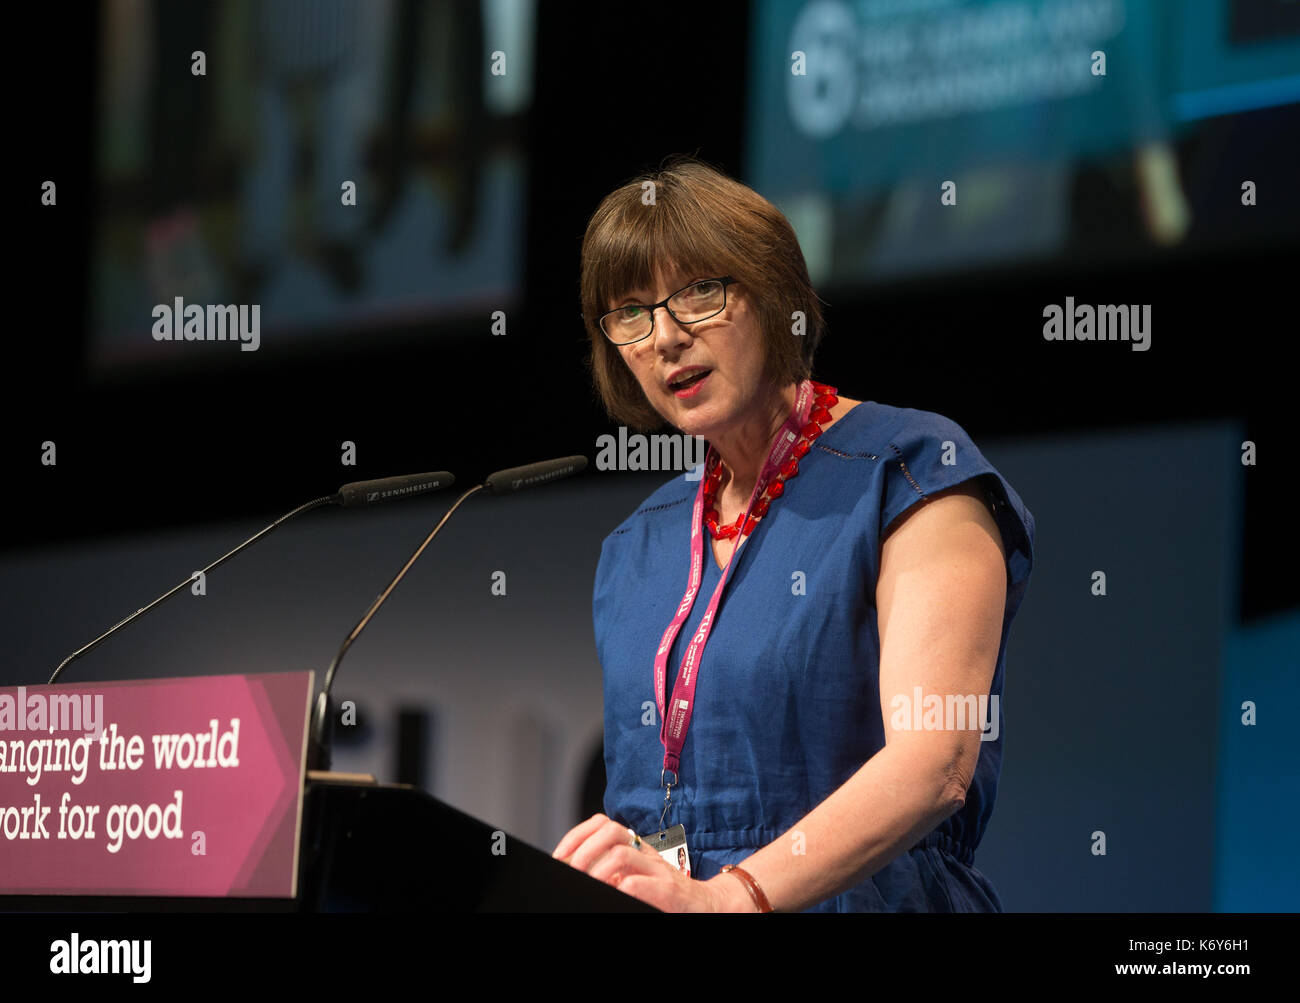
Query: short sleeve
<point x="927" y="453"/>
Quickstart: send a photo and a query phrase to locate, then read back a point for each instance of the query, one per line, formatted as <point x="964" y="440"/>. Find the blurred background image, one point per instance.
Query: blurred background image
<point x="232" y="192"/>
<point x="1008" y="101"/>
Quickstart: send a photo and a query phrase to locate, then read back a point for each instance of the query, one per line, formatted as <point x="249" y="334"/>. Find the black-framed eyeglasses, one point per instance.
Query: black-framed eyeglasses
<point x="691" y="304"/>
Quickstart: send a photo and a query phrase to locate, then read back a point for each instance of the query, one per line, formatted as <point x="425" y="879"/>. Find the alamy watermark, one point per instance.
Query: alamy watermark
<point x="946" y="712"/>
<point x="75" y="956"/>
<point x="52" y="712"/>
<point x="181" y="321"/>
<point x="1105" y="322"/>
<point x="634" y="451"/>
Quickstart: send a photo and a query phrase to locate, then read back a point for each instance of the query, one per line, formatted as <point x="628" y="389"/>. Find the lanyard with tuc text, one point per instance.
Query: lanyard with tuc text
<point x="677" y="717"/>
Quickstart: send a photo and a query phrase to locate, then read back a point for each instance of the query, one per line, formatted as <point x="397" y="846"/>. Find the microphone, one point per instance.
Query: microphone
<point x="360" y="493"/>
<point x="353" y="495"/>
<point x="502" y="482"/>
<point x="533" y="474"/>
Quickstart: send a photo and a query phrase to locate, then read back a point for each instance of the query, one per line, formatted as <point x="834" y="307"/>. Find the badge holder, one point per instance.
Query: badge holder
<point x="670" y="844"/>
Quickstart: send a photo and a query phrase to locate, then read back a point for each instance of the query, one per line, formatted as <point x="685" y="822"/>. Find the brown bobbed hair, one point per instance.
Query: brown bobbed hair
<point x="705" y="224"/>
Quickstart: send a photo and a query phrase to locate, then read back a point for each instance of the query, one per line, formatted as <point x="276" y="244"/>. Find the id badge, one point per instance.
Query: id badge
<point x="671" y="845"/>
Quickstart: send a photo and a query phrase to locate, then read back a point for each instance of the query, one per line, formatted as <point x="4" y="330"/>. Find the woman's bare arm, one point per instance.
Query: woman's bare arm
<point x="940" y="598"/>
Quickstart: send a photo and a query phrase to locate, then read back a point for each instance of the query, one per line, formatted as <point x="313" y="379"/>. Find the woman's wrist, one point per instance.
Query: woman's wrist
<point x="730" y="894"/>
<point x="735" y="893"/>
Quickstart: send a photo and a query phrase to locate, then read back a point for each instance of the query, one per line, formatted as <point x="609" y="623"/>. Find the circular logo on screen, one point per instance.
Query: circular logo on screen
<point x="821" y="98"/>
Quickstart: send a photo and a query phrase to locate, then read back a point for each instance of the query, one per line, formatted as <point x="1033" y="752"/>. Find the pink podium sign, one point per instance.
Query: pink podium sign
<point x="163" y="787"/>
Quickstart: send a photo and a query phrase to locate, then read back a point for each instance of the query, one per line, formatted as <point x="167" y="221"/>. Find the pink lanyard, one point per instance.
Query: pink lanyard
<point x="672" y="733"/>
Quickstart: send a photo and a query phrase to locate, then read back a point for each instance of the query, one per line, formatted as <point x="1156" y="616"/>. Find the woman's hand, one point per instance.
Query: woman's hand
<point x="604" y="849"/>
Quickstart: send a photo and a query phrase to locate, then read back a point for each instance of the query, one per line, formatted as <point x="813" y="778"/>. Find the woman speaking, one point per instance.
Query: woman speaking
<point x="803" y="644"/>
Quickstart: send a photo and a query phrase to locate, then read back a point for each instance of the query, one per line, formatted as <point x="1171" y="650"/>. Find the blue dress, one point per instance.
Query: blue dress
<point x="787" y="699"/>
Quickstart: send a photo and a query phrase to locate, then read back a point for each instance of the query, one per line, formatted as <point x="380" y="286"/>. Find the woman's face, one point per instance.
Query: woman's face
<point x="729" y="346"/>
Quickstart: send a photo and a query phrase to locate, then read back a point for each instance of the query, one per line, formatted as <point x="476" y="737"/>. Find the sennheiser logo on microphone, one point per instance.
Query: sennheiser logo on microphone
<point x="410" y="489"/>
<point x="515" y="485"/>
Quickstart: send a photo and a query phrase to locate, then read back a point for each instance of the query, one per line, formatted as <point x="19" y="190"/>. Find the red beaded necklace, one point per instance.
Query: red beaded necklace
<point x="821" y="414"/>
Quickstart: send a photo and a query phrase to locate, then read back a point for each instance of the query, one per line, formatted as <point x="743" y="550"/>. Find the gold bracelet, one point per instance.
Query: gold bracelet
<point x="751" y="885"/>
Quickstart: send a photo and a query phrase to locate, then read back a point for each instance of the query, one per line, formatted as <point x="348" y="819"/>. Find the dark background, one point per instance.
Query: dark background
<point x="157" y="449"/>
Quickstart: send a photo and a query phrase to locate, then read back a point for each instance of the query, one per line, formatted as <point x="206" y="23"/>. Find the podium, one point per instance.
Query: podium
<point x="193" y="794"/>
<point x="394" y="848"/>
<point x="387" y="848"/>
